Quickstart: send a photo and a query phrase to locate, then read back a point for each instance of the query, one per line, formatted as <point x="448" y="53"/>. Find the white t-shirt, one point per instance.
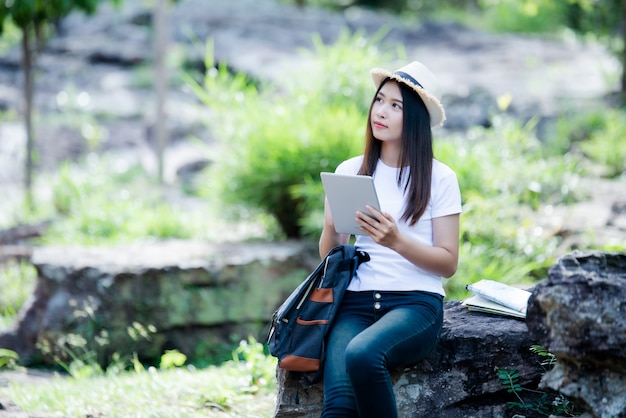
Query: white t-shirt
<point x="387" y="270"/>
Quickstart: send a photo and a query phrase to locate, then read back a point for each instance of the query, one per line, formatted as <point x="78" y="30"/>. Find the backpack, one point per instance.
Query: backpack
<point x="298" y="327"/>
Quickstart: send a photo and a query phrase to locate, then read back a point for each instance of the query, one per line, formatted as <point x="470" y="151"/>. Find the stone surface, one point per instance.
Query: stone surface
<point x="579" y="314"/>
<point x="457" y="380"/>
<point x="149" y="297"/>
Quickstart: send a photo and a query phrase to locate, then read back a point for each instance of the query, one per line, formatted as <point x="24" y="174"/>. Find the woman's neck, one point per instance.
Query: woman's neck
<point x="390" y="154"/>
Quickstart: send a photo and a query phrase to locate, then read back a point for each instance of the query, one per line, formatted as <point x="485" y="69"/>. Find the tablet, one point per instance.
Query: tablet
<point x="346" y="194"/>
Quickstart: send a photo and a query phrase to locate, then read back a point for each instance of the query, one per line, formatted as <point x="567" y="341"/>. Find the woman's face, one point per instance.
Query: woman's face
<point x="387" y="114"/>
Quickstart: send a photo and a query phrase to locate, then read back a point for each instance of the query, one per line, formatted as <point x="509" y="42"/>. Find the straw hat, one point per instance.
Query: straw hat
<point x="420" y="79"/>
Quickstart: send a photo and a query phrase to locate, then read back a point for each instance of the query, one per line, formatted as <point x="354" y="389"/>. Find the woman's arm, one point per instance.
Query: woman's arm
<point x="441" y="259"/>
<point x="330" y="238"/>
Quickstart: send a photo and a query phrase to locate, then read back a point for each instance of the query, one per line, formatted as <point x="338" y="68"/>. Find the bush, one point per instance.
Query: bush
<point x="534" y="16"/>
<point x="275" y="140"/>
<point x="605" y="146"/>
<point x="103" y="203"/>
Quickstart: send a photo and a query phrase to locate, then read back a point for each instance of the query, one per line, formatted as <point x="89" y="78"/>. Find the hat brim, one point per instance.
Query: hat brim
<point x="433" y="105"/>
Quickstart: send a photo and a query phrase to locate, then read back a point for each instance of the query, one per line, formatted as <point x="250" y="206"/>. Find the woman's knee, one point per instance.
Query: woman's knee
<point x="361" y="359"/>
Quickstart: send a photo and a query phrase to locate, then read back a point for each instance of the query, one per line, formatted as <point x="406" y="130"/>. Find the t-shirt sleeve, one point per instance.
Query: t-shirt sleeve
<point x="446" y="195"/>
<point x="350" y="166"/>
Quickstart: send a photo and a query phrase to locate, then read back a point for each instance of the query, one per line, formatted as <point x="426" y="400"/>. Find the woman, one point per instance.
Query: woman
<point x="392" y="313"/>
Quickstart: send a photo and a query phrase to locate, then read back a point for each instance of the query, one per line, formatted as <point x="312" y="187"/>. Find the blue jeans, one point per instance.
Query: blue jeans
<point x="372" y="333"/>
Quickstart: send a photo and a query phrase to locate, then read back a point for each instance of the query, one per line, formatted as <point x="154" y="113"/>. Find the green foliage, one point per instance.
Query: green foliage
<point x="606" y="146"/>
<point x="510" y="380"/>
<point x="9" y="36"/>
<point x="253" y="358"/>
<point x="538" y="402"/>
<point x="597" y="134"/>
<point x="86" y="351"/>
<point x="508" y="159"/>
<point x="528" y="16"/>
<point x="337" y="73"/>
<point x="602" y="17"/>
<point x="37" y="12"/>
<point x="550" y="359"/>
<point x="8" y="358"/>
<point x="172" y="359"/>
<point x="17" y="281"/>
<point x="103" y="203"/>
<point x="79" y="353"/>
<point x="272" y="142"/>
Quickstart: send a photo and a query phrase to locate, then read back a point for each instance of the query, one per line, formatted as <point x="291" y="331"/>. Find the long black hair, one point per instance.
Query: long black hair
<point x="416" y="155"/>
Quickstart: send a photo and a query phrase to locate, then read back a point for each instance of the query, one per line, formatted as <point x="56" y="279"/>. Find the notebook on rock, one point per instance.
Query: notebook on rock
<point x="498" y="298"/>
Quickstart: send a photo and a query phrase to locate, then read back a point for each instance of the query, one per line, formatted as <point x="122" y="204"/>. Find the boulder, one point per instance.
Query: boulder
<point x="457" y="380"/>
<point x="145" y="298"/>
<point x="579" y="314"/>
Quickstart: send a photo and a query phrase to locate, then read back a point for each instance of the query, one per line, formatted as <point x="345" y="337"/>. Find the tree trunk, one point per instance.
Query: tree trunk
<point x="623" y="27"/>
<point x="160" y="50"/>
<point x="27" y="66"/>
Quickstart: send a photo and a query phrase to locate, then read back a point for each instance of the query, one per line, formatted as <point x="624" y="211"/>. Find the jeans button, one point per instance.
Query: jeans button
<point x="377" y="295"/>
<point x="377" y="305"/>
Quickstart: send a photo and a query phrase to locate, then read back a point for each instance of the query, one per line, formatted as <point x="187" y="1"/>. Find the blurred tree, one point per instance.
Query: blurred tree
<point x="607" y="20"/>
<point x="160" y="67"/>
<point x="33" y="17"/>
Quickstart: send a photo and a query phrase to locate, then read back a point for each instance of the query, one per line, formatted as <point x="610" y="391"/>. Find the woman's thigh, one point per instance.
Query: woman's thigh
<point x="403" y="333"/>
<point x="351" y="319"/>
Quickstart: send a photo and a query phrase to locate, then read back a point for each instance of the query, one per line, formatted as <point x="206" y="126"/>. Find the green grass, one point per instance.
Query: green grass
<point x="242" y="387"/>
<point x="185" y="392"/>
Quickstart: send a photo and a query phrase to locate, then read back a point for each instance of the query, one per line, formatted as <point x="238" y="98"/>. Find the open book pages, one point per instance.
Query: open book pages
<point x="479" y="304"/>
<point x="509" y="296"/>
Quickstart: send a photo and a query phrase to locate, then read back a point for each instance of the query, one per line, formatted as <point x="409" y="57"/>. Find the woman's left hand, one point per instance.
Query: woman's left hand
<point x="380" y="226"/>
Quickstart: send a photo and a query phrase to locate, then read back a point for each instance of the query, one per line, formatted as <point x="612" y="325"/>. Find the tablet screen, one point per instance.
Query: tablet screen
<point x="346" y="194"/>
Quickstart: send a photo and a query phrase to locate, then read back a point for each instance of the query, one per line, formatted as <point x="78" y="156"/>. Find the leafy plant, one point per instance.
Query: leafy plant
<point x="253" y="358"/>
<point x="8" y="358"/>
<point x="276" y="138"/>
<point x="596" y="135"/>
<point x="172" y="359"/>
<point x="541" y="403"/>
<point x="606" y="146"/>
<point x="86" y="351"/>
<point x="17" y="281"/>
<point x="534" y="16"/>
<point x="104" y="203"/>
<point x="550" y="359"/>
<point x="510" y="380"/>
